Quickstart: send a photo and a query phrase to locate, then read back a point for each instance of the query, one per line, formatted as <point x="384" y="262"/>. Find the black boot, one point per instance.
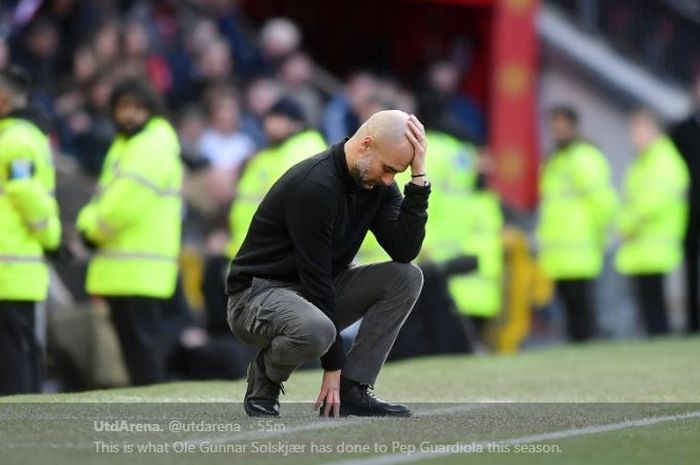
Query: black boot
<point x="262" y="395"/>
<point x="359" y="399"/>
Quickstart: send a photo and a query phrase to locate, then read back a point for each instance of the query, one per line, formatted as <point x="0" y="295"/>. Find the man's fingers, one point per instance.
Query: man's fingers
<point x="417" y="130"/>
<point x="417" y="146"/>
<point x="415" y="119"/>
<point x="320" y="399"/>
<point x="336" y="406"/>
<point x="328" y="405"/>
<point x="331" y="403"/>
<point x="417" y="133"/>
<point x="414" y="142"/>
<point x="412" y="138"/>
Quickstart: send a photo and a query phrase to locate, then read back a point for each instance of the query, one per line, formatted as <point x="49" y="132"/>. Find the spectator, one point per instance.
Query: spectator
<point x="262" y="93"/>
<point x="181" y="60"/>
<point x="85" y="65"/>
<point x="212" y="67"/>
<point x="222" y="142"/>
<point x="141" y="60"/>
<point x="89" y="129"/>
<point x="191" y="124"/>
<point x="296" y="73"/>
<point x="279" y="38"/>
<point x="245" y="54"/>
<point x="106" y="44"/>
<point x="340" y="117"/>
<point x="35" y="51"/>
<point x="441" y="101"/>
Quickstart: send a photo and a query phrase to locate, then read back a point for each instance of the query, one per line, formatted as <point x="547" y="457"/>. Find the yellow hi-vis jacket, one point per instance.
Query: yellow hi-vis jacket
<point x="29" y="221"/>
<point x="480" y="222"/>
<point x="654" y="211"/>
<point x="259" y="176"/>
<point x="135" y="217"/>
<point x="577" y="204"/>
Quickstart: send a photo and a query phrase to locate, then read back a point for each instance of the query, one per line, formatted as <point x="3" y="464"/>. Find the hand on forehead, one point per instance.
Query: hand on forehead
<point x="388" y="130"/>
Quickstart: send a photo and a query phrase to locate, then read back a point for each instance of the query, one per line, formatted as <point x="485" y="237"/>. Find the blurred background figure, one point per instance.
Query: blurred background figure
<point x="653" y="218"/>
<point x="296" y="76"/>
<point x="191" y="124"/>
<point x="479" y="295"/>
<point x="686" y="137"/>
<point x="279" y="38"/>
<point x="30" y="228"/>
<point x="576" y="209"/>
<point x="341" y="117"/>
<point x="133" y="226"/>
<point x="222" y="142"/>
<point x="261" y="94"/>
<point x="443" y="101"/>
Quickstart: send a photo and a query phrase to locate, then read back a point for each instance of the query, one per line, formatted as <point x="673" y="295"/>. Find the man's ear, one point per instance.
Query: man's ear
<point x="367" y="143"/>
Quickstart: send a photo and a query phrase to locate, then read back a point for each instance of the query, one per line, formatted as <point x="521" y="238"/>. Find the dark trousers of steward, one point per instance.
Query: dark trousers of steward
<point x="20" y="354"/>
<point x="138" y="322"/>
<point x="273" y="316"/>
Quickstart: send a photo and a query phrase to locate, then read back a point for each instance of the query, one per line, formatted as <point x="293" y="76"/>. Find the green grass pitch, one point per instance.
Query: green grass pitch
<point x="599" y="403"/>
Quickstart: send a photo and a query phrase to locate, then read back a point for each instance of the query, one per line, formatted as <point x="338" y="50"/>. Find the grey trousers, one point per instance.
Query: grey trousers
<point x="290" y="330"/>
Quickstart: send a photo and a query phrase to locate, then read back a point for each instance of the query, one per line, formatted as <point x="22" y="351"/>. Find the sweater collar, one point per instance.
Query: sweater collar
<point x="341" y="165"/>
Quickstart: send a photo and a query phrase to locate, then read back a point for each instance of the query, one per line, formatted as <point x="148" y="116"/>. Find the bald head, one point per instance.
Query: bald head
<point x="380" y="148"/>
<point x="387" y="129"/>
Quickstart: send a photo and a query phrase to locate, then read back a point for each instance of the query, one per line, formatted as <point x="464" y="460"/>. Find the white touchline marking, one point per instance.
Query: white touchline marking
<point x="390" y="459"/>
<point x="162" y="400"/>
<point x="322" y="424"/>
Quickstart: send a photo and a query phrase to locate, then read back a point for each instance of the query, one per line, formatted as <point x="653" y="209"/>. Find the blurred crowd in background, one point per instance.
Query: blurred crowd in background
<point x="231" y="91"/>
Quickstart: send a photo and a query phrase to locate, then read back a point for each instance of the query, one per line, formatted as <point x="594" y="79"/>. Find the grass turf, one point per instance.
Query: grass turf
<point x="457" y="400"/>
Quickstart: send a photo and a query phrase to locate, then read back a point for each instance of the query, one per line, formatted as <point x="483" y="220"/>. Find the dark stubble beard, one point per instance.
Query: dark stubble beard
<point x="359" y="172"/>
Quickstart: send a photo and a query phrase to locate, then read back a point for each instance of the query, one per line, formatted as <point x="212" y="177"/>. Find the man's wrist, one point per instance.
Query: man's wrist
<point x="420" y="179"/>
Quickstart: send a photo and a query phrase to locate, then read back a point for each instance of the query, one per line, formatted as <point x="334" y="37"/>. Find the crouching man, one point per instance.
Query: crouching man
<point x="291" y="287"/>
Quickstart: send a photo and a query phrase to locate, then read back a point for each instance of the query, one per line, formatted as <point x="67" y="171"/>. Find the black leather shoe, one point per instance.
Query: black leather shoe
<point x="262" y="395"/>
<point x="359" y="399"/>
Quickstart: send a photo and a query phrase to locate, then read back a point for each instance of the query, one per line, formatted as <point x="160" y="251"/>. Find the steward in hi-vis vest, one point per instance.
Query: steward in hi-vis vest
<point x="577" y="204"/>
<point x="653" y="217"/>
<point x="133" y="225"/>
<point x="29" y="228"/>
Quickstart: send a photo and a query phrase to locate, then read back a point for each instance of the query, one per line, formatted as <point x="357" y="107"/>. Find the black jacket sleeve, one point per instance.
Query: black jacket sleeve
<point x="310" y="214"/>
<point x="400" y="222"/>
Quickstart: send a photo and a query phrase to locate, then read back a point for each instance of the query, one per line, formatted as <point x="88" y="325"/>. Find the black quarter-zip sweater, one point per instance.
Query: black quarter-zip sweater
<point x="311" y="223"/>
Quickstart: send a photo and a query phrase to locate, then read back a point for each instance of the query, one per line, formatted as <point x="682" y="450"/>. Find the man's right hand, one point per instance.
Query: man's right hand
<point x="415" y="132"/>
<point x="329" y="397"/>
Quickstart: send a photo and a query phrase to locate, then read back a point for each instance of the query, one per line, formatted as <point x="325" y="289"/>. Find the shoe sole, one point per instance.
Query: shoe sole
<point x="256" y="413"/>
